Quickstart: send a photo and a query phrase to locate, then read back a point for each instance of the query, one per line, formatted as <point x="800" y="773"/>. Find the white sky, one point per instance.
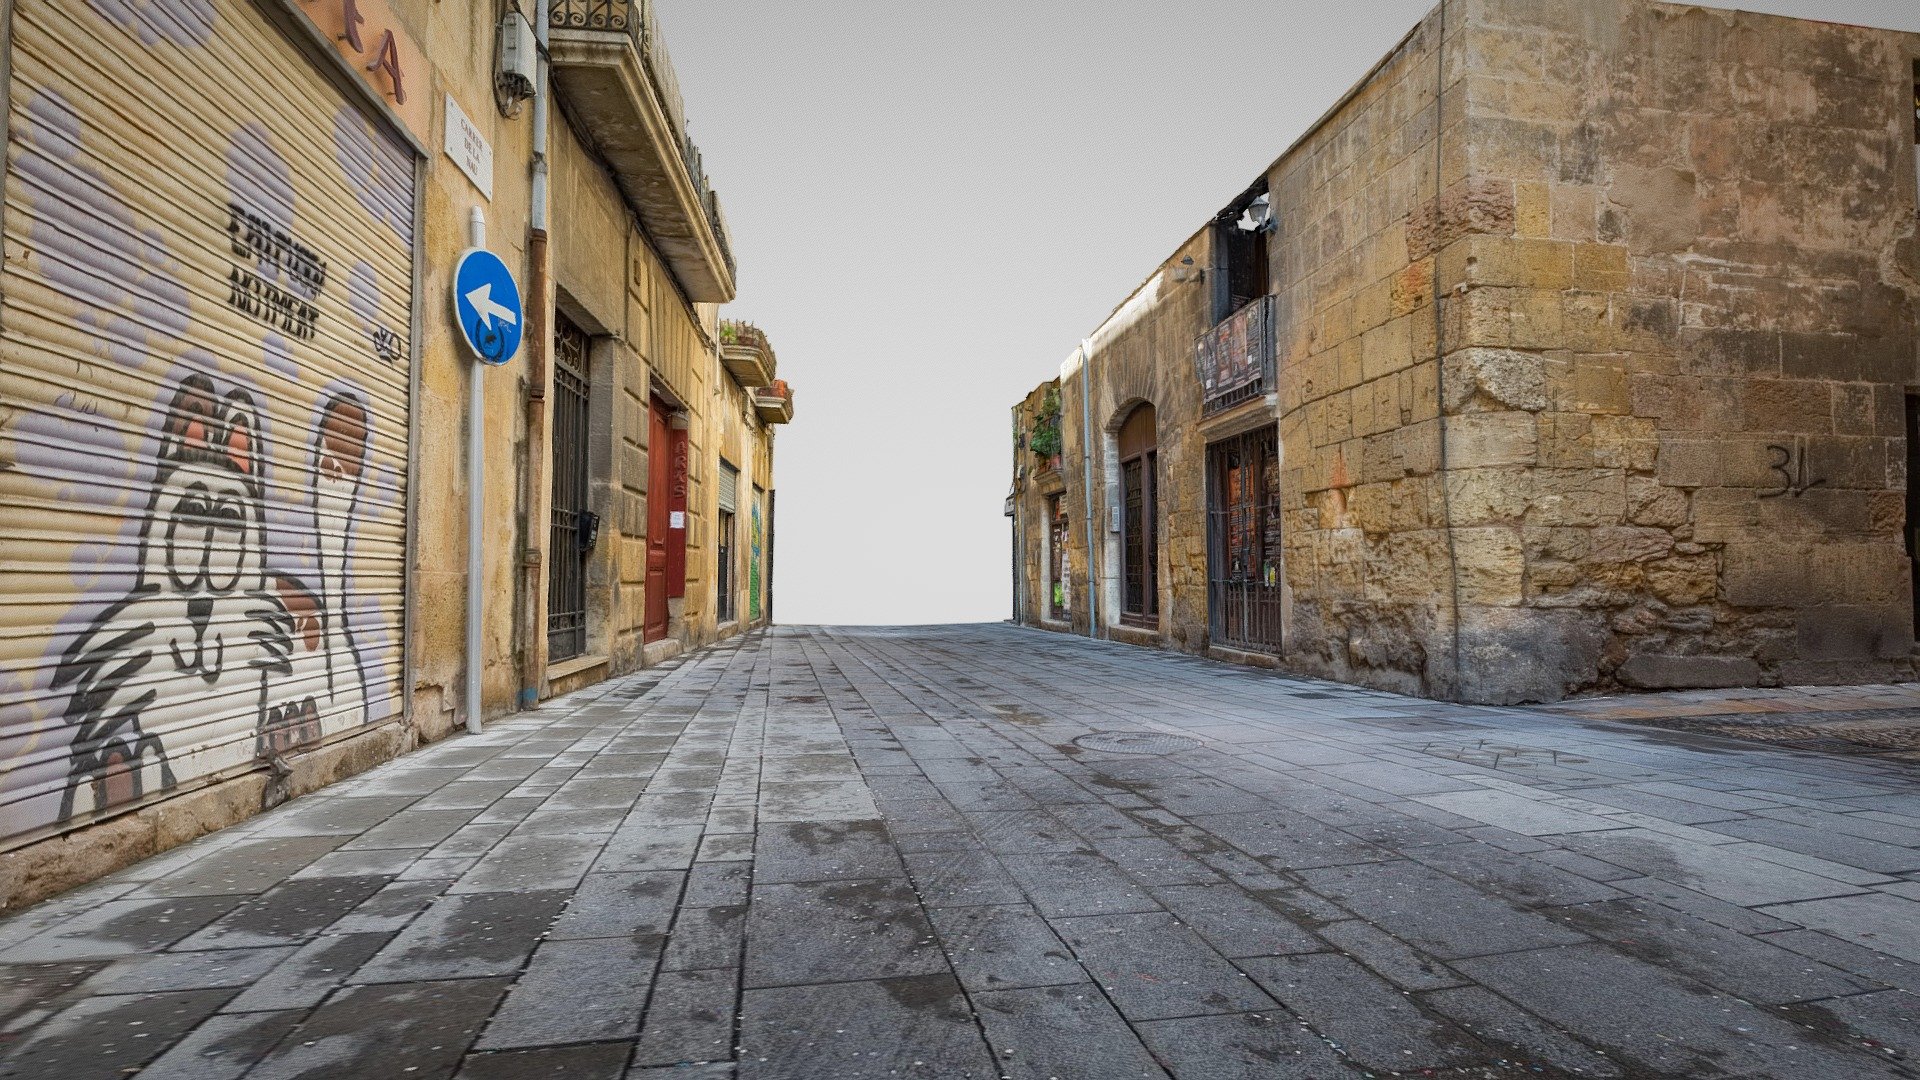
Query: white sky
<point x="933" y="202"/>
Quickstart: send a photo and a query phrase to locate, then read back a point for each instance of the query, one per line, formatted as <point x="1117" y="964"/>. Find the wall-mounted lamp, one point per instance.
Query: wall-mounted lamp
<point x="1258" y="217"/>
<point x="1186" y="271"/>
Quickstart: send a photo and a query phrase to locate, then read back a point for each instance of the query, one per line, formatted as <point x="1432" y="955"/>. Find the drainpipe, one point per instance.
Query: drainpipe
<point x="1020" y="539"/>
<point x="1086" y="461"/>
<point x="476" y="501"/>
<point x="539" y="341"/>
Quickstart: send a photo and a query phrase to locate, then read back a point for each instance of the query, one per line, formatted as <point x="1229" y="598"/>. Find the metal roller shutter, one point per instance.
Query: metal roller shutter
<point x="729" y="487"/>
<point x="207" y="302"/>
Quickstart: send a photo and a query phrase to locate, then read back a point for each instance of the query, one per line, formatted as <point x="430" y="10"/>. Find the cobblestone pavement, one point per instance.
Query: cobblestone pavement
<point x="1879" y="721"/>
<point x="980" y="852"/>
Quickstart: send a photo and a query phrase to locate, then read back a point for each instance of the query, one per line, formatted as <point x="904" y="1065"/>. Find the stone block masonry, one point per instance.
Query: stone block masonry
<point x="1594" y="327"/>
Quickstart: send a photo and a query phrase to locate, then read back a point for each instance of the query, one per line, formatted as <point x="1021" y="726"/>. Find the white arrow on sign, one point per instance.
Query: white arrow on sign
<point x="481" y="301"/>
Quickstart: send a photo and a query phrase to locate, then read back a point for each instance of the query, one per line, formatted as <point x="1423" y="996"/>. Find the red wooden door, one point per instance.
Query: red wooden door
<point x="659" y="472"/>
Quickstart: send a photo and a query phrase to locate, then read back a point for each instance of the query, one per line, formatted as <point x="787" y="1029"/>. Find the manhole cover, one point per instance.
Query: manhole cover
<point x="1135" y="742"/>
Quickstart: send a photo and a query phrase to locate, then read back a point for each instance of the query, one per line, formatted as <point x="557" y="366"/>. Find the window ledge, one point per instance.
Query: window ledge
<point x="567" y="668"/>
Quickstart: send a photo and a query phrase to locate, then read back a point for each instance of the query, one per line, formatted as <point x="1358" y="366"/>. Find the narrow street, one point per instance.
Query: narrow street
<point x="985" y="851"/>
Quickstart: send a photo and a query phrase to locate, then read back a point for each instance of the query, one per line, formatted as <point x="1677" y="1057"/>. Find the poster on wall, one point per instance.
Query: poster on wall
<point x="1232" y="356"/>
<point x="753" y="564"/>
<point x="204" y="412"/>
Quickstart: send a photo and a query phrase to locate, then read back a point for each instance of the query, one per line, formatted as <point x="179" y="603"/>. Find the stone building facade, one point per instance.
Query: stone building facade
<point x="234" y="401"/>
<point x="1588" y="359"/>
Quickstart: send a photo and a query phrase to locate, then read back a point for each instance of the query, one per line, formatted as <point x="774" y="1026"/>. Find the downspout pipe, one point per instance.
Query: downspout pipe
<point x="539" y="342"/>
<point x="1020" y="535"/>
<point x="1086" y="462"/>
<point x="476" y="502"/>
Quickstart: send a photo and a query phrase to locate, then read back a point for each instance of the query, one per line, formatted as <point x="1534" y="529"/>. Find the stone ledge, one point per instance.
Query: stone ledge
<point x="1244" y="657"/>
<point x="51" y="866"/>
<point x="570" y="675"/>
<point x="1133" y="635"/>
<point x="654" y="653"/>
<point x="1652" y="672"/>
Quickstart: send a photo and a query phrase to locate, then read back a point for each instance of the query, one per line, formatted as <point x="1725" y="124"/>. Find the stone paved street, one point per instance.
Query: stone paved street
<point x="848" y="853"/>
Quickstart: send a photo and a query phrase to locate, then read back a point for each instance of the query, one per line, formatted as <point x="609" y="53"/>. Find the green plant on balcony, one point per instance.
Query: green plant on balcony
<point x="1045" y="439"/>
<point x="733" y="332"/>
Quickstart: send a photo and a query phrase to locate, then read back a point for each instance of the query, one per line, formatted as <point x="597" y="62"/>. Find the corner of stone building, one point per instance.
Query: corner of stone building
<point x="1519" y="656"/>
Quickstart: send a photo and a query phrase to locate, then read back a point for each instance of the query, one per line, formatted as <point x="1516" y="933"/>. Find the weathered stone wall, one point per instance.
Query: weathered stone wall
<point x="1365" y="520"/>
<point x="1143" y="353"/>
<point x="1651" y="435"/>
<point x="1682" y="295"/>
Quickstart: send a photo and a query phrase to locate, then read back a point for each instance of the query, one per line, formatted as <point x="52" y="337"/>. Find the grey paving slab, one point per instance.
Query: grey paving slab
<point x="1889" y="924"/>
<point x="1063" y="1032"/>
<point x="1374" y="1023"/>
<point x="1077" y="883"/>
<point x="620" y="905"/>
<point x="1285" y="840"/>
<point x="465" y="937"/>
<point x="1435" y="913"/>
<point x="1521" y="1037"/>
<point x="595" y="1061"/>
<point x="707" y="938"/>
<point x="890" y="834"/>
<point x="1154" y="968"/>
<point x="690" y="1018"/>
<point x="824" y="851"/>
<point x="1647" y="1017"/>
<point x="959" y="874"/>
<point x="862" y="1031"/>
<point x="1244" y="1046"/>
<point x="576" y="992"/>
<point x="1388" y="957"/>
<point x="1004" y="947"/>
<point x="101" y="1038"/>
<point x="250" y="866"/>
<point x="384" y="1031"/>
<point x="157" y="973"/>
<point x="305" y="978"/>
<point x="838" y="931"/>
<point x="1736" y="876"/>
<point x="1241" y="922"/>
<point x="223" y="1047"/>
<point x="121" y="928"/>
<point x="390" y="909"/>
<point x="291" y="912"/>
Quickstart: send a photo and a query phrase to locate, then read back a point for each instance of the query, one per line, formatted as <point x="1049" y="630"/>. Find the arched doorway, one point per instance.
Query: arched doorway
<point x="1139" y="520"/>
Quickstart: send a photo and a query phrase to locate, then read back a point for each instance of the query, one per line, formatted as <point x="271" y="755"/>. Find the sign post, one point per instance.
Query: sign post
<point x="489" y="313"/>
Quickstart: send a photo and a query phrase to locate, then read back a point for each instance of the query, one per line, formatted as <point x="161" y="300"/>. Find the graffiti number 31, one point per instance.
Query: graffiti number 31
<point x="1790" y="466"/>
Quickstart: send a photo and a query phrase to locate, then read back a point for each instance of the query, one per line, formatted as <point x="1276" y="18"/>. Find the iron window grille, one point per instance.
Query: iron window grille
<point x="1244" y="569"/>
<point x="571" y="521"/>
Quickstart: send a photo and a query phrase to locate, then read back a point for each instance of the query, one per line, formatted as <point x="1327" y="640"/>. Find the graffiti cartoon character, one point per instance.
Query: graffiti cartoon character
<point x="326" y="668"/>
<point x="198" y="635"/>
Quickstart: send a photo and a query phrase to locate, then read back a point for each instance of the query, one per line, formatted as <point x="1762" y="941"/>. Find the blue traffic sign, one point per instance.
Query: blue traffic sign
<point x="486" y="305"/>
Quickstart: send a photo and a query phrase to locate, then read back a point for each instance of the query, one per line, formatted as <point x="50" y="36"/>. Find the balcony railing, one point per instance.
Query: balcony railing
<point x="1235" y="360"/>
<point x="774" y="403"/>
<point x="747" y="354"/>
<point x="636" y="19"/>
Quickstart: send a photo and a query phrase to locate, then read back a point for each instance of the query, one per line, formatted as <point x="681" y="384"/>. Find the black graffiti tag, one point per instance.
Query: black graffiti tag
<point x="1790" y="465"/>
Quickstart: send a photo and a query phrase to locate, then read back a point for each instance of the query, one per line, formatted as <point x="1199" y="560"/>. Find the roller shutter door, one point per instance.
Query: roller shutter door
<point x="205" y="322"/>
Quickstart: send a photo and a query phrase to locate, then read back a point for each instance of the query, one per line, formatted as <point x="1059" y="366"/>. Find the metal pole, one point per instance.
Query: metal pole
<point x="1086" y="461"/>
<point x="476" y="500"/>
